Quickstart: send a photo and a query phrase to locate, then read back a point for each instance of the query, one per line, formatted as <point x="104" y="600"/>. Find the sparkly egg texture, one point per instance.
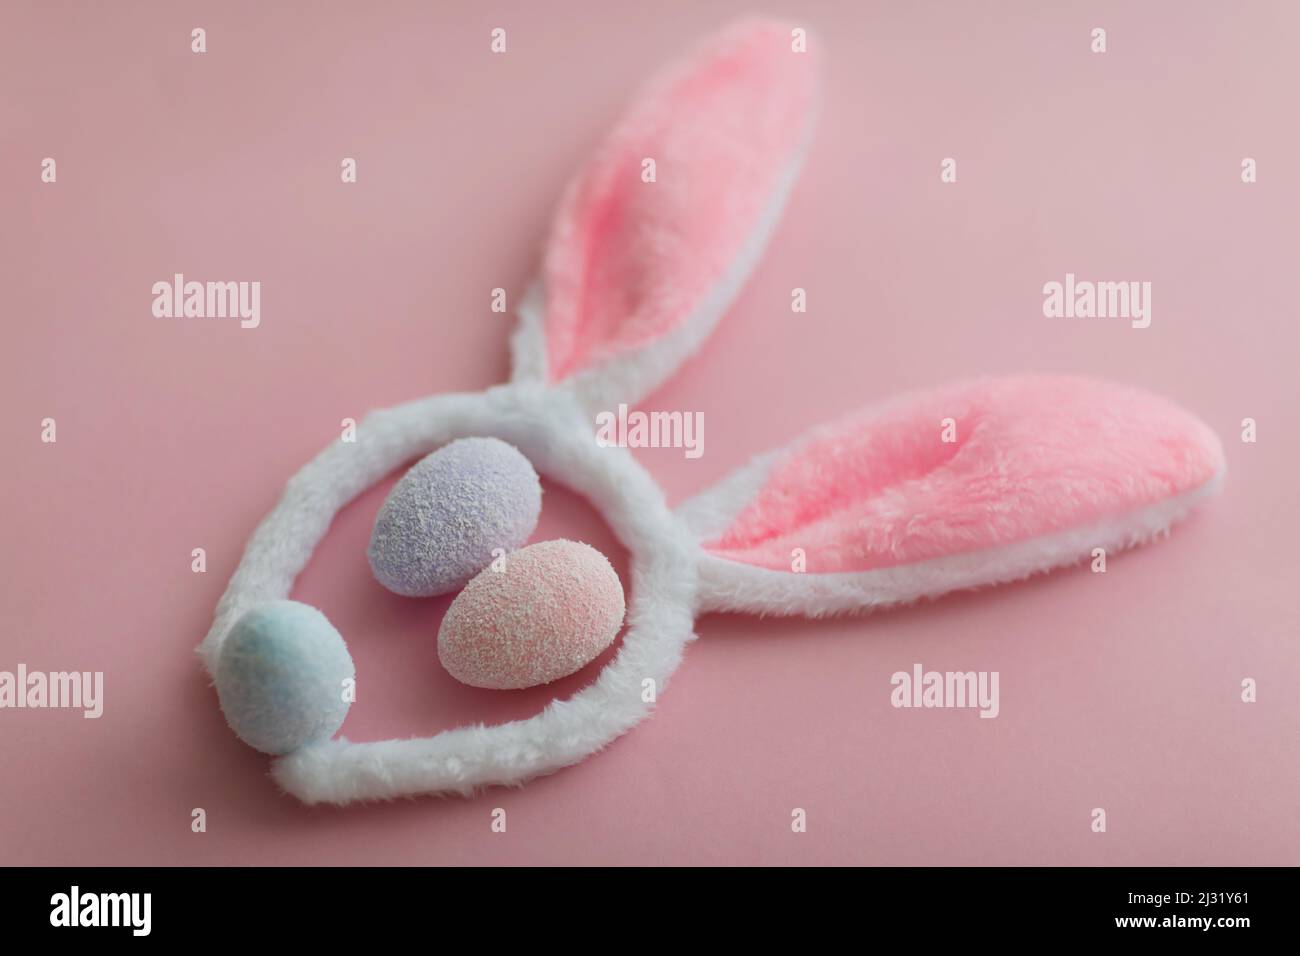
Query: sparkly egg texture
<point x="284" y="677"/>
<point x="549" y="613"/>
<point x="442" y="521"/>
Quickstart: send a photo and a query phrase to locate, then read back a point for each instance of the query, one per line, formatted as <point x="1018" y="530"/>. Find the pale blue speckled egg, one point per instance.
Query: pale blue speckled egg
<point x="284" y="677"/>
<point x="442" y="521"/>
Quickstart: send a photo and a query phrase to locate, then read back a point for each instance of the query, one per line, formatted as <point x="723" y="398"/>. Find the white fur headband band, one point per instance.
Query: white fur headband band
<point x="881" y="508"/>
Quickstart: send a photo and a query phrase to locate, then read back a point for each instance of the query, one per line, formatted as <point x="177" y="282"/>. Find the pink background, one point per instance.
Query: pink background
<point x="1118" y="691"/>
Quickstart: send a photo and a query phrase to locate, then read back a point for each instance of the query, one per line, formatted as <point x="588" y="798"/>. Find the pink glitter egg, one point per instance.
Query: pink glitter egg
<point x="547" y="613"/>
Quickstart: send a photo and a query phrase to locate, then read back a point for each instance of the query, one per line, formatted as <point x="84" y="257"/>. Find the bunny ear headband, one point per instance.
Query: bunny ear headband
<point x="881" y="507"/>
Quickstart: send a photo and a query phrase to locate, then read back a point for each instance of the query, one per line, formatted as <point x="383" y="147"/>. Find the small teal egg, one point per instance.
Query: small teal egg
<point x="284" y="677"/>
<point x="442" y="521"/>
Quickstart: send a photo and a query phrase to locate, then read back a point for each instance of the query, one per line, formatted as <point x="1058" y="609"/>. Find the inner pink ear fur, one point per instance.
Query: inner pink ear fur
<point x="1031" y="456"/>
<point x="628" y="261"/>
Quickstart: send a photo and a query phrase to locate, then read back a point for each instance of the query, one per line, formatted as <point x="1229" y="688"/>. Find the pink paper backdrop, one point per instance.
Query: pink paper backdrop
<point x="1119" y="691"/>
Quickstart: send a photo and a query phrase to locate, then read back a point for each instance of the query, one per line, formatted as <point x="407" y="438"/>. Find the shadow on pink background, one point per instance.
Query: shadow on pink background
<point x="1119" y="691"/>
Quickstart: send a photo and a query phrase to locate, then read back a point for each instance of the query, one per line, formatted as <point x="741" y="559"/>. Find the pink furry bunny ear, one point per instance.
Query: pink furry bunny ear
<point x="655" y="236"/>
<point x="956" y="487"/>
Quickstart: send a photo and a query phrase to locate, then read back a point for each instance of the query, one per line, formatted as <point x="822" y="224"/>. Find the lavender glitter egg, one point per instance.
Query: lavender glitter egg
<point x="444" y="518"/>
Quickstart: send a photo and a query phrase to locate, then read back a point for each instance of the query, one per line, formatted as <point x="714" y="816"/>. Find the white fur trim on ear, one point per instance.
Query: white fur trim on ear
<point x="727" y="585"/>
<point x="528" y="344"/>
